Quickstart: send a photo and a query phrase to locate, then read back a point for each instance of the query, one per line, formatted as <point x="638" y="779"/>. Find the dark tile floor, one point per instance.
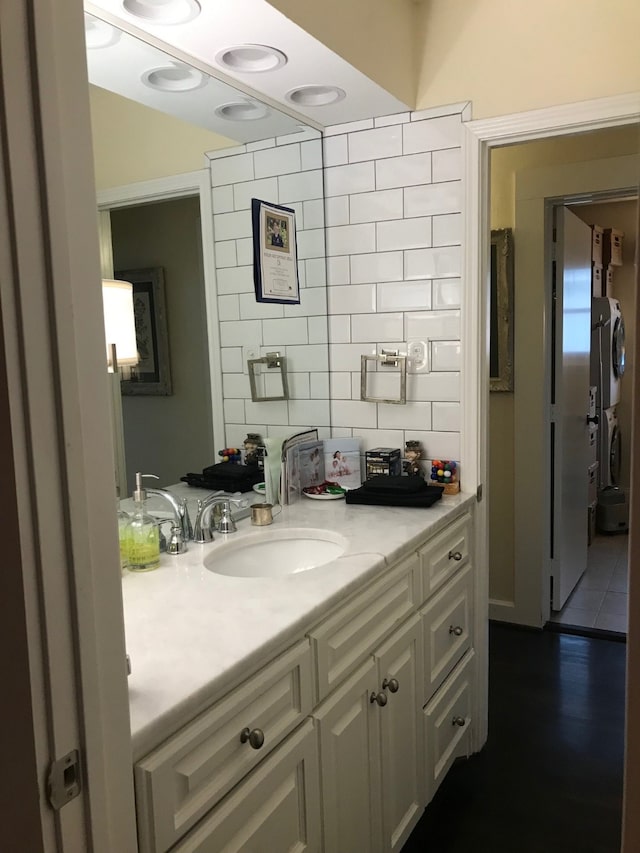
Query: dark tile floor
<point x="549" y="779"/>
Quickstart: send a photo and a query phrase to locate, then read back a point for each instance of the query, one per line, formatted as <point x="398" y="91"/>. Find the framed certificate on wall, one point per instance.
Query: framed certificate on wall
<point x="275" y="260"/>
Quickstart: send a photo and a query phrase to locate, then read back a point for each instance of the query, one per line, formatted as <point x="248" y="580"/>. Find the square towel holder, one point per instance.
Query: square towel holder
<point x="385" y="359"/>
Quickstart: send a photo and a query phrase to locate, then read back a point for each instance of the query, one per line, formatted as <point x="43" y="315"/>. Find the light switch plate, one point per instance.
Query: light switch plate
<point x="249" y="352"/>
<point x="417" y="357"/>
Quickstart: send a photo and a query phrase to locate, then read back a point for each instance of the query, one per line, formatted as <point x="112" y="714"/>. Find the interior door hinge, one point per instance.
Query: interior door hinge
<point x="64" y="782"/>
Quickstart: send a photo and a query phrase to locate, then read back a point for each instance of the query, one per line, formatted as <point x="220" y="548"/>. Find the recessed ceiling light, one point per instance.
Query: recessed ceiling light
<point x="174" y="78"/>
<point x="98" y="33"/>
<point x="315" y="96"/>
<point x="163" y="11"/>
<point x="242" y="111"/>
<point x="251" y="58"/>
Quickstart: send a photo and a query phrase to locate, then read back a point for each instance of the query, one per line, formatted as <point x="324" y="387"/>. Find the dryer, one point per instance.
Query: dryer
<point x="610" y="460"/>
<point x="607" y="342"/>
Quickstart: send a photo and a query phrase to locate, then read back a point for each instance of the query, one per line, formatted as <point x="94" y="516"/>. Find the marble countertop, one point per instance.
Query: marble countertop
<point x="192" y="634"/>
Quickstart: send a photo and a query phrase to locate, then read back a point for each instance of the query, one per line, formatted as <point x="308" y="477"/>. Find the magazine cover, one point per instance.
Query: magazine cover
<point x="342" y="462"/>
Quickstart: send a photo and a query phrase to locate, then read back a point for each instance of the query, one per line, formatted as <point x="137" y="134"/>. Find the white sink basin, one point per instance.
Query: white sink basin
<point x="275" y="553"/>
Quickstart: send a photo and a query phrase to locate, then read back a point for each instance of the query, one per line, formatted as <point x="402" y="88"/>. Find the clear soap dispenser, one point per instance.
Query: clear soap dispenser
<point x="142" y="536"/>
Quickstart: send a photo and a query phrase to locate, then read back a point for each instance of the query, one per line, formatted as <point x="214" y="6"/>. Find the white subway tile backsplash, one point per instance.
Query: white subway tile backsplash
<point x="446" y="417"/>
<point x="352" y="299"/>
<point x="244" y="249"/>
<point x="309" y="413"/>
<point x="236" y="433"/>
<point x="340" y="328"/>
<point x="434" y="386"/>
<point x="299" y="386"/>
<point x="228" y="308"/>
<point x="312" y="357"/>
<point x="301" y="186"/>
<point x="380" y="266"/>
<point x="240" y="333"/>
<point x="372" y="144"/>
<point x="319" y="386"/>
<point x="315" y="272"/>
<point x="236" y="386"/>
<point x="340" y="432"/>
<point x="447" y="230"/>
<point x="313" y="214"/>
<point x="311" y="155"/>
<point x="230" y="151"/>
<point x="260" y="144"/>
<point x="230" y="226"/>
<point x="313" y="302"/>
<point x="235" y="280"/>
<point x="310" y="243"/>
<point x="432" y="325"/>
<point x="222" y="199"/>
<point x="346" y="357"/>
<point x="376" y="327"/>
<point x="433" y="199"/>
<point x="277" y="161"/>
<point x="225" y="254"/>
<point x="443" y="262"/>
<point x="369" y="439"/>
<point x="349" y="127"/>
<point x="274" y="412"/>
<point x="447" y="293"/>
<point x="442" y="445"/>
<point x="404" y="234"/>
<point x="460" y="109"/>
<point x="318" y="329"/>
<point x="413" y="416"/>
<point x="234" y="411"/>
<point x="340" y="385"/>
<point x="338" y="270"/>
<point x="337" y="210"/>
<point x="404" y="296"/>
<point x="447" y="164"/>
<point x="351" y="239"/>
<point x="376" y="206"/>
<point x="336" y="150"/>
<point x="398" y="118"/>
<point x="231" y="359"/>
<point x="252" y="310"/>
<point x="230" y="170"/>
<point x="298" y="136"/>
<point x="354" y="178"/>
<point x="266" y="189"/>
<point x="404" y="171"/>
<point x="353" y="413"/>
<point x="446" y="355"/>
<point x="432" y="134"/>
<point x="291" y="330"/>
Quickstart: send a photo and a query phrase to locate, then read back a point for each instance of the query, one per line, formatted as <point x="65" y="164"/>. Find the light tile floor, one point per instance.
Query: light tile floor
<point x="600" y="597"/>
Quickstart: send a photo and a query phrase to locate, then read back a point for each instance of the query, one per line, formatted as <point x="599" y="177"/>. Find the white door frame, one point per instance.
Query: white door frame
<point x="180" y="186"/>
<point x="480" y="136"/>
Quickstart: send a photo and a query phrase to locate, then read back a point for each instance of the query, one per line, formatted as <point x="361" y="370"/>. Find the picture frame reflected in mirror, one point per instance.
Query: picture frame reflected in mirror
<point x="501" y="311"/>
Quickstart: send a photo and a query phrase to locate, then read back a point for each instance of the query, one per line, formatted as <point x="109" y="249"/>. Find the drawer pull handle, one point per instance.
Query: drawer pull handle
<point x="381" y="698"/>
<point x="455" y="555"/>
<point x="254" y="736"/>
<point x="457" y="630"/>
<point x="392" y="683"/>
<point x="458" y="721"/>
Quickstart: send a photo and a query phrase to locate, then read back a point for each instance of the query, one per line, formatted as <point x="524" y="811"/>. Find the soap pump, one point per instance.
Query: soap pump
<point x="143" y="539"/>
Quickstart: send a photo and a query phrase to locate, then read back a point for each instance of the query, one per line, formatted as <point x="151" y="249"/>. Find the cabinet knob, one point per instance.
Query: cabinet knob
<point x="457" y="630"/>
<point x="381" y="698"/>
<point x="458" y="721"/>
<point x="254" y="736"/>
<point x="455" y="555"/>
<point x="392" y="683"/>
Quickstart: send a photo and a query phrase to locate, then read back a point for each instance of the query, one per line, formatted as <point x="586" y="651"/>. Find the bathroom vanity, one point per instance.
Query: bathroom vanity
<point x="316" y="711"/>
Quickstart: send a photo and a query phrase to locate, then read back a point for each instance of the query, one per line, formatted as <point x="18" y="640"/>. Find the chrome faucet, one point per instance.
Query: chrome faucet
<point x="202" y="528"/>
<point x="181" y="530"/>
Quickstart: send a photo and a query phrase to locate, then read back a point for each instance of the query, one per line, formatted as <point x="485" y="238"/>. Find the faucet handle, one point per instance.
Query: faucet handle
<point x="226" y="524"/>
<point x="176" y="543"/>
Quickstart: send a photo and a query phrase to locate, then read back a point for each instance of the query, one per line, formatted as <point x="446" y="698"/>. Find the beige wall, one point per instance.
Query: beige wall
<point x="134" y="143"/>
<point x="505" y="164"/>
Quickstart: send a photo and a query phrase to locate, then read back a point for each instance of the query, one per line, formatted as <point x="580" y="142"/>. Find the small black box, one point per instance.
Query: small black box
<point x="383" y="460"/>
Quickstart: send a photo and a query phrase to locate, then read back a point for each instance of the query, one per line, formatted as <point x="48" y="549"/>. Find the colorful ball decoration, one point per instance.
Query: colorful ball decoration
<point x="443" y="470"/>
<point x="230" y="454"/>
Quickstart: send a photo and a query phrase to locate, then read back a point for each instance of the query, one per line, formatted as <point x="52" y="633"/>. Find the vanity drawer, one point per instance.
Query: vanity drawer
<point x="447" y="624"/>
<point x="443" y="555"/>
<point x="346" y="638"/>
<point x="447" y="720"/>
<point x="177" y="783"/>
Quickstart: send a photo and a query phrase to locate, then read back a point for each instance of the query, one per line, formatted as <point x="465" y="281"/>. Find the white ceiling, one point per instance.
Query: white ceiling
<point x="222" y="24"/>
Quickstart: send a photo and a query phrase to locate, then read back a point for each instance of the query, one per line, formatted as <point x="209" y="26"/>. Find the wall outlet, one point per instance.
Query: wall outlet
<point x="417" y="357"/>
<point x="249" y="352"/>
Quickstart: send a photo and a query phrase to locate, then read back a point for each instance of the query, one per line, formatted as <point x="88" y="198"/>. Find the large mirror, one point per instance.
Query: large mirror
<point x="178" y="224"/>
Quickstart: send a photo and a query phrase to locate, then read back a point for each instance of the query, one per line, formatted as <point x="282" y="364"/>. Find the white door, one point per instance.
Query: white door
<point x="569" y="463"/>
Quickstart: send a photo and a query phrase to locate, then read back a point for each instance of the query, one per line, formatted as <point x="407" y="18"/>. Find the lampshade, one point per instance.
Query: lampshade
<point x="119" y="324"/>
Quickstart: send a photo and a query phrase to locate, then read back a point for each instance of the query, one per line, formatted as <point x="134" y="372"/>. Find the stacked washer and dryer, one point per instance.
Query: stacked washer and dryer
<point x="607" y="369"/>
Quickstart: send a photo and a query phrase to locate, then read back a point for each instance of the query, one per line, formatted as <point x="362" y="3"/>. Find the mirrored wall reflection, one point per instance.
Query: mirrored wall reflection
<point x="261" y="154"/>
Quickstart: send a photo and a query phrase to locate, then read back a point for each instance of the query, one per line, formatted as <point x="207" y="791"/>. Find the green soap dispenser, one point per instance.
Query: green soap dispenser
<point x="142" y="536"/>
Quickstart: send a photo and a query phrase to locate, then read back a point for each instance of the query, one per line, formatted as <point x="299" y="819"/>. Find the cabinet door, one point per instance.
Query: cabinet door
<point x="274" y="810"/>
<point x="349" y="726"/>
<point x="402" y="753"/>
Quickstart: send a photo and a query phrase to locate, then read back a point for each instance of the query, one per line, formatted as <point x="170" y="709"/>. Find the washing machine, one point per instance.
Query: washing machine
<point x="610" y="459"/>
<point x="607" y="342"/>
